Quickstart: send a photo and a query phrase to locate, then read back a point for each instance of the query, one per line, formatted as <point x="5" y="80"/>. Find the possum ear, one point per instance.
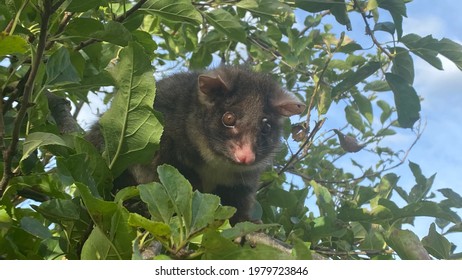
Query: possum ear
<point x="288" y="105"/>
<point x="211" y="84"/>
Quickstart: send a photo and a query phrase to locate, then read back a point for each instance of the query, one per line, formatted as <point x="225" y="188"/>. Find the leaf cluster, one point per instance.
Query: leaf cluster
<point x="319" y="198"/>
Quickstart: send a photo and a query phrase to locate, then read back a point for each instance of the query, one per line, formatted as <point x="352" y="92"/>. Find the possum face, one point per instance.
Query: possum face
<point x="241" y="116"/>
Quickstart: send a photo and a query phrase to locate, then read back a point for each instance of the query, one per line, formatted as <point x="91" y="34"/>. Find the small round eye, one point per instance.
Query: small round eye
<point x="228" y="119"/>
<point x="265" y="126"/>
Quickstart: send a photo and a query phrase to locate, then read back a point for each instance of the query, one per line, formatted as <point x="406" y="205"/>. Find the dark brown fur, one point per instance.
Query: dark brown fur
<point x="199" y="141"/>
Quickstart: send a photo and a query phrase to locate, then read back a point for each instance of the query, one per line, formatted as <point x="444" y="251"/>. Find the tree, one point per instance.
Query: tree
<point x="56" y="200"/>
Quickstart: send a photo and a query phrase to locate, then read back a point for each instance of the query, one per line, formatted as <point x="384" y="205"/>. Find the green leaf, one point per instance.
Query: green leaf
<point x="244" y="228"/>
<point x="178" y="11"/>
<point x="354" y="78"/>
<point x="427" y="48"/>
<point x="453" y="199"/>
<point x="436" y="244"/>
<point x="364" y="106"/>
<point x="406" y="100"/>
<point x="451" y="50"/>
<point x="428" y="209"/>
<point x="386" y="110"/>
<point x="217" y="247"/>
<point x="12" y="45"/>
<point x="159" y="204"/>
<point x="112" y="237"/>
<point x="403" y="65"/>
<point x="159" y="230"/>
<point x="130" y="129"/>
<point x="279" y="197"/>
<point x="423" y="186"/>
<point x="98" y="247"/>
<point x="60" y="70"/>
<point x="40" y="139"/>
<point x="173" y="199"/>
<point x="397" y="9"/>
<point x="178" y="190"/>
<point x="58" y="210"/>
<point x="77" y="6"/>
<point x="385" y="26"/>
<point x="354" y="118"/>
<point x="406" y="244"/>
<point x="339" y="10"/>
<point x="325" y="99"/>
<point x="204" y="207"/>
<point x="377" y="86"/>
<point x="226" y="24"/>
<point x="324" y="200"/>
<point x="114" y="32"/>
<point x="34" y="227"/>
<point x="83" y="27"/>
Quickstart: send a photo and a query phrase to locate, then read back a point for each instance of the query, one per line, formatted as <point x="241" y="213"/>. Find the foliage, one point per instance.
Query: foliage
<point x="56" y="200"/>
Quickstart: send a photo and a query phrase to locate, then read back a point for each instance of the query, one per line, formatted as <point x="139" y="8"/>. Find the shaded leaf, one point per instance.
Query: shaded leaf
<point x="427" y="48"/>
<point x="451" y="50"/>
<point x="436" y="244"/>
<point x="227" y="24"/>
<point x="40" y="139"/>
<point x="354" y="118"/>
<point x="60" y="70"/>
<point x="178" y="11"/>
<point x="114" y="32"/>
<point x="35" y="227"/>
<point x="354" y="78"/>
<point x="403" y="65"/>
<point x="406" y="244"/>
<point x="324" y="200"/>
<point x="130" y="129"/>
<point x="406" y="100"/>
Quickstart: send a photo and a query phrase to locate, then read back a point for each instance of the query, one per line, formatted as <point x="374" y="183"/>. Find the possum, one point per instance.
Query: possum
<point x="222" y="128"/>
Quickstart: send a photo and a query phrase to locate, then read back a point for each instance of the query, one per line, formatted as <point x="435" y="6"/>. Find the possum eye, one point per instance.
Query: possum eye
<point x="228" y="119"/>
<point x="265" y="126"/>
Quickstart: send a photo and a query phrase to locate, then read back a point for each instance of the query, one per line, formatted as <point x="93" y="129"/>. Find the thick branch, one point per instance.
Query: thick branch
<point x="10" y="152"/>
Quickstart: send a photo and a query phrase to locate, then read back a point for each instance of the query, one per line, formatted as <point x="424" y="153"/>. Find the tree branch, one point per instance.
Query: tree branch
<point x="10" y="152"/>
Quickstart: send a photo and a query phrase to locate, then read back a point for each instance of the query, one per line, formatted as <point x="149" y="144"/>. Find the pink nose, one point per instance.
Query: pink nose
<point x="244" y="154"/>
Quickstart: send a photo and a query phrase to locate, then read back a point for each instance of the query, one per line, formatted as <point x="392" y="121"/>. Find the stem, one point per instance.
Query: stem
<point x="10" y="152"/>
<point x="370" y="32"/>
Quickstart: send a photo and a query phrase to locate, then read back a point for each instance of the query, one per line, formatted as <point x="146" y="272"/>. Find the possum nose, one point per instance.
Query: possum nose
<point x="244" y="154"/>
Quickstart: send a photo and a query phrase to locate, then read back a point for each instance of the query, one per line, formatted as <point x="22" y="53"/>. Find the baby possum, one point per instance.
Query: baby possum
<point x="221" y="130"/>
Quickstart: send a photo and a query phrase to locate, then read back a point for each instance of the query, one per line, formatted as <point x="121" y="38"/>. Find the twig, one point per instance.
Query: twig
<point x="360" y="178"/>
<point x="370" y="32"/>
<point x="10" y="152"/>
